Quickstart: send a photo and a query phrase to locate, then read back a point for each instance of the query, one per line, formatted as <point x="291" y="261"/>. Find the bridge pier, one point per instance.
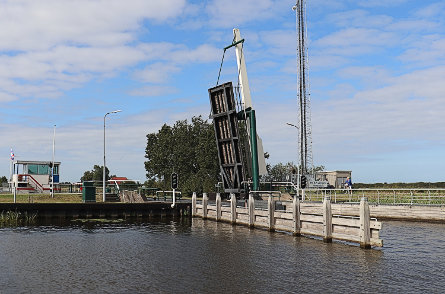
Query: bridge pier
<point x="365" y="230"/>
<point x="327" y="220"/>
<point x="251" y="208"/>
<point x="296" y="227"/>
<point x="233" y="208"/>
<point x="271" y="213"/>
<point x="218" y="207"/>
<point x="315" y="220"/>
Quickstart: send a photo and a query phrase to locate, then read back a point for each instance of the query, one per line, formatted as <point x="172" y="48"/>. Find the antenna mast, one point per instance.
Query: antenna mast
<point x="305" y="134"/>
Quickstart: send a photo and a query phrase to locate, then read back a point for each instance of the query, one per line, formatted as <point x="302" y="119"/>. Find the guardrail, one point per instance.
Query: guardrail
<point x="168" y="194"/>
<point x="378" y="196"/>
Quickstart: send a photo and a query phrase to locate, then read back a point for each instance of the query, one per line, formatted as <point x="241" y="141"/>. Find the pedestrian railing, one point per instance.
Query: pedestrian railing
<point x="378" y="196"/>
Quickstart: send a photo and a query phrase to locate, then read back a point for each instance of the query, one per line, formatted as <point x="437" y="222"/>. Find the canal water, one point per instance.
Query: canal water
<point x="196" y="256"/>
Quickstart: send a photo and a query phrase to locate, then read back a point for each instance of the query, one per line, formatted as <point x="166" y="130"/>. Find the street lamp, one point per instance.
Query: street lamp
<point x="298" y="167"/>
<point x="52" y="164"/>
<point x="292" y="125"/>
<point x="105" y="168"/>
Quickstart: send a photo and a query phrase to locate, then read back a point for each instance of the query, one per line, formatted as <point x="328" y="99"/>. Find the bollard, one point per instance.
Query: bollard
<point x="218" y="207"/>
<point x="296" y="216"/>
<point x="194" y="204"/>
<point x="365" y="224"/>
<point x="327" y="220"/>
<point x="204" y="205"/>
<point x="251" y="209"/>
<point x="271" y="215"/>
<point x="233" y="208"/>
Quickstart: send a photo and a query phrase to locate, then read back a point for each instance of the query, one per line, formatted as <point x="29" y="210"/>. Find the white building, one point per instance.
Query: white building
<point x="335" y="178"/>
<point x="34" y="176"/>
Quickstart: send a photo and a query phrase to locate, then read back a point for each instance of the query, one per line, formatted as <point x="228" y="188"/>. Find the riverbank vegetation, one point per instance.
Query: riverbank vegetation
<point x="15" y="218"/>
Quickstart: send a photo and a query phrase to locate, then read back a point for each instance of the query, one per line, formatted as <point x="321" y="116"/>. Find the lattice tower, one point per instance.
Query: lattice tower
<point x="303" y="96"/>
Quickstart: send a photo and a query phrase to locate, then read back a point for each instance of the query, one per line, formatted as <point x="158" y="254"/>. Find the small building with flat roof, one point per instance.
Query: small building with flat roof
<point x="335" y="178"/>
<point x="31" y="176"/>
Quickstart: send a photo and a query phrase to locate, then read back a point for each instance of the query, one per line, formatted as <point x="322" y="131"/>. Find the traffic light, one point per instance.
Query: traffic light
<point x="303" y="181"/>
<point x="174" y="181"/>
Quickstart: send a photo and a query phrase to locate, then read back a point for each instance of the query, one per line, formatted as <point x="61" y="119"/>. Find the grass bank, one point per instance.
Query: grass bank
<point x="45" y="198"/>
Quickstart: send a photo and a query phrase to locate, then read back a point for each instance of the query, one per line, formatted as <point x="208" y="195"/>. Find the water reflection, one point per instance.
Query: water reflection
<point x="184" y="255"/>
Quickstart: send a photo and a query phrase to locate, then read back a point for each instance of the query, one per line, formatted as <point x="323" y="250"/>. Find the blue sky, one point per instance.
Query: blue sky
<point x="376" y="74"/>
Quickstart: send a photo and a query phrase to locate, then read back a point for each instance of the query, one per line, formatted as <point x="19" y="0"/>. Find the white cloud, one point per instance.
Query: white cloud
<point x="53" y="46"/>
<point x="409" y="107"/>
<point x="153" y="90"/>
<point x="356" y="41"/>
<point x="358" y="18"/>
<point x="203" y="53"/>
<point x="156" y="73"/>
<point x="374" y="76"/>
<point x="39" y="25"/>
<point x="233" y="13"/>
<point x="432" y="10"/>
<point x="380" y="3"/>
<point x="279" y="42"/>
<point x="5" y="97"/>
<point x="429" y="50"/>
<point x="414" y="25"/>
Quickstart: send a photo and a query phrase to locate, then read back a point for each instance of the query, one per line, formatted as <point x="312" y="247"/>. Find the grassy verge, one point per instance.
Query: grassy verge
<point x="43" y="198"/>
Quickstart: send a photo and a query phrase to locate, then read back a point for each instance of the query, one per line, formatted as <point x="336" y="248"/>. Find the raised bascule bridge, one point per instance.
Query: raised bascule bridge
<point x="242" y="162"/>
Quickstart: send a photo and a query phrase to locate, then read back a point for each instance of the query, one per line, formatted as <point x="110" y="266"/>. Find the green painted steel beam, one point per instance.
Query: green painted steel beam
<point x="254" y="151"/>
<point x="234" y="44"/>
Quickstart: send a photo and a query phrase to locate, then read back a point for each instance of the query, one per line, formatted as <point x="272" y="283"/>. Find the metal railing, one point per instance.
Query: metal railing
<point x="418" y="196"/>
<point x="168" y="194"/>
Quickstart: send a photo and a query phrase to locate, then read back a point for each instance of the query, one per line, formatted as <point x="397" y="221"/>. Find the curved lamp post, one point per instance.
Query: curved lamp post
<point x="52" y="165"/>
<point x="105" y="168"/>
<point x="298" y="167"/>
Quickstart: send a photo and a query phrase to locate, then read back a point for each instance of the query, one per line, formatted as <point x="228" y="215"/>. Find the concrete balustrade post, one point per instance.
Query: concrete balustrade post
<point x="327" y="220"/>
<point x="233" y="208"/>
<point x="271" y="215"/>
<point x="205" y="200"/>
<point x="296" y="216"/>
<point x="218" y="207"/>
<point x="365" y="224"/>
<point x="194" y="210"/>
<point x="251" y="209"/>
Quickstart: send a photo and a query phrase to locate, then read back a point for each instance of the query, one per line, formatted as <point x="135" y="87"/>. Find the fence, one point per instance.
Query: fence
<point x="378" y="196"/>
<point x="291" y="218"/>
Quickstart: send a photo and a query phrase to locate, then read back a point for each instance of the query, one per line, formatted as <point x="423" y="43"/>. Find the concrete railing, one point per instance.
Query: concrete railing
<point x="322" y="223"/>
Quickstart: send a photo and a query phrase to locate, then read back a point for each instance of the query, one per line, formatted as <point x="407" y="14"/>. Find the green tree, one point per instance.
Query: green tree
<point x="3" y="180"/>
<point x="96" y="174"/>
<point x="281" y="172"/>
<point x="185" y="148"/>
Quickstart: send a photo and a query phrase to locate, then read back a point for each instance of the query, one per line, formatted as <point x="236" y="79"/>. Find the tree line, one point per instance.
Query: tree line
<point x="416" y="185"/>
<point x="188" y="148"/>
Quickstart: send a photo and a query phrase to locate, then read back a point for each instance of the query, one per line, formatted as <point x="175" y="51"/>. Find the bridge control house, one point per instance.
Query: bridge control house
<point x="34" y="176"/>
